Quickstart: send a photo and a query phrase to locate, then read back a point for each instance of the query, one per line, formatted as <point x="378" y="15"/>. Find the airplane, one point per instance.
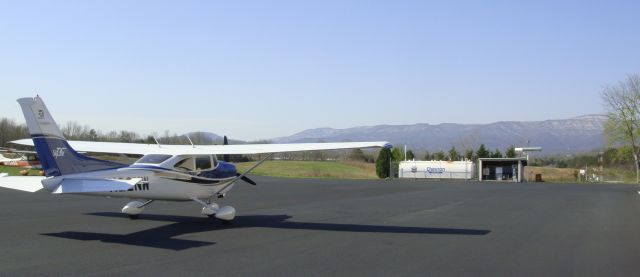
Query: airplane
<point x="26" y="159"/>
<point x="164" y="172"/>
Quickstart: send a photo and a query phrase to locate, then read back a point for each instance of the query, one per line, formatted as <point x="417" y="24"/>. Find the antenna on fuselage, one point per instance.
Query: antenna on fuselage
<point x="187" y="135"/>
<point x="154" y="138"/>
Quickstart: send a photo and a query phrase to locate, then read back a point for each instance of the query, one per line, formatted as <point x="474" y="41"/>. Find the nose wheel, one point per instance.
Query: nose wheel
<point x="225" y="214"/>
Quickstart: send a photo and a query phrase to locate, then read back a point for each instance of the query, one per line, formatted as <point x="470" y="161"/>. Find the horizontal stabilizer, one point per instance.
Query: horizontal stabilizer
<point x="94" y="185"/>
<point x="23" y="183"/>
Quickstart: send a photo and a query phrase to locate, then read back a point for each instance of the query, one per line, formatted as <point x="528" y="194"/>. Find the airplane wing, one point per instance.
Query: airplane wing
<point x="24" y="183"/>
<point x="14" y="151"/>
<point x="143" y="149"/>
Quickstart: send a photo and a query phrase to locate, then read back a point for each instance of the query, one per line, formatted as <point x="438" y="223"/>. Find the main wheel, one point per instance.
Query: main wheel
<point x="133" y="216"/>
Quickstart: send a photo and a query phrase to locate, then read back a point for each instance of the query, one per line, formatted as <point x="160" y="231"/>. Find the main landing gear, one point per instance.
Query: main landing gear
<point x="225" y="214"/>
<point x="133" y="209"/>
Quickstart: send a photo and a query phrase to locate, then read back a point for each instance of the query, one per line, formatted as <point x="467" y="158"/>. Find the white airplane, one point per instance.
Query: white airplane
<point x="25" y="159"/>
<point x="165" y="172"/>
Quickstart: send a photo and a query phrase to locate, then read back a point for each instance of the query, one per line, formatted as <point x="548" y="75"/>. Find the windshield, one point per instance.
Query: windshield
<point x="153" y="159"/>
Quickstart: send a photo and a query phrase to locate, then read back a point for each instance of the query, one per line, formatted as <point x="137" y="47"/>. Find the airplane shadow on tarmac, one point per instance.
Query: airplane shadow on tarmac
<point x="163" y="237"/>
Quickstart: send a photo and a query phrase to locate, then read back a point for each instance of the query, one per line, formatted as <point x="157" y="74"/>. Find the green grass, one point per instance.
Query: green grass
<point x="15" y="171"/>
<point x="313" y="169"/>
<point x="568" y="175"/>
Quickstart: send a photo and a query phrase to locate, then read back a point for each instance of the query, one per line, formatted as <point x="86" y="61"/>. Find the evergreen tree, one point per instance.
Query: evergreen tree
<point x="511" y="152"/>
<point x="482" y="152"/>
<point x="469" y="154"/>
<point x="410" y="155"/>
<point x="93" y="135"/>
<point x="453" y="154"/>
<point x="496" y="154"/>
<point x="397" y="154"/>
<point x="439" y="156"/>
<point x="382" y="163"/>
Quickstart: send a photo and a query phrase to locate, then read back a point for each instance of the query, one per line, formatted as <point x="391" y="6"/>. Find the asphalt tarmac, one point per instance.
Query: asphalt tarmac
<point x="311" y="227"/>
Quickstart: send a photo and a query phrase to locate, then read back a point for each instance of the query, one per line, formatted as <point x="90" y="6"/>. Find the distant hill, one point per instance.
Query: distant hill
<point x="574" y="135"/>
<point x="205" y="138"/>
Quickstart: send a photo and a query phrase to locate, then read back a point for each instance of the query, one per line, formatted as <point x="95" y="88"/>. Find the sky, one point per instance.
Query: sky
<point x="263" y="69"/>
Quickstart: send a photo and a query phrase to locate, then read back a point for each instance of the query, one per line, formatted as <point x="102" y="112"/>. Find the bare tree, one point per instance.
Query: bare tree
<point x="623" y="126"/>
<point x="10" y="130"/>
<point x="73" y="130"/>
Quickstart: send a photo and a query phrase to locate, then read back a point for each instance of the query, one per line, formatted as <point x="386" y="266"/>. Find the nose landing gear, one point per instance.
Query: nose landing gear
<point x="225" y="214"/>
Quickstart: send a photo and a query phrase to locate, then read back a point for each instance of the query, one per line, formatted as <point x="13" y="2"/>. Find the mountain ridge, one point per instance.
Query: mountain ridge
<point x="556" y="136"/>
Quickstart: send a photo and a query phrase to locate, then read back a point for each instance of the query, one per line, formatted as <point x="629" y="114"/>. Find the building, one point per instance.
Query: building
<point x="501" y="169"/>
<point x="437" y="170"/>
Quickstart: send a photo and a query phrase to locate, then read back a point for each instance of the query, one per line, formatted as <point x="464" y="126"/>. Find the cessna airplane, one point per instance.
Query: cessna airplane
<point x="165" y="172"/>
<point x="26" y="159"/>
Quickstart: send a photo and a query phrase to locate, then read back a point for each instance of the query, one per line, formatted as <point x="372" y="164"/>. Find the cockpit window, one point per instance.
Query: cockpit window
<point x="203" y="162"/>
<point x="153" y="159"/>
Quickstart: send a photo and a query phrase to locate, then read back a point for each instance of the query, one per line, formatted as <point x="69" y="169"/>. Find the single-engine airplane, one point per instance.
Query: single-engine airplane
<point x="21" y="158"/>
<point x="165" y="172"/>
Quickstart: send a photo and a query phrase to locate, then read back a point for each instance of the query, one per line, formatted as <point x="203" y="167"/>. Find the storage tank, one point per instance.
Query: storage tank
<point x="437" y="169"/>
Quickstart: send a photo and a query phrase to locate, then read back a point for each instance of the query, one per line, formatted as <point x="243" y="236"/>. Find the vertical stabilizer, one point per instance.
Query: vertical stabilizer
<point x="56" y="156"/>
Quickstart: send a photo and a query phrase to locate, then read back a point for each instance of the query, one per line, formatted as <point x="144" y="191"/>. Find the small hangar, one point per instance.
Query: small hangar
<point x="501" y="169"/>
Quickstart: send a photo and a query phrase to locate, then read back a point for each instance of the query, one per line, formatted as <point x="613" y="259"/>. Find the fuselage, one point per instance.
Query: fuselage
<point x="160" y="188"/>
<point x="163" y="177"/>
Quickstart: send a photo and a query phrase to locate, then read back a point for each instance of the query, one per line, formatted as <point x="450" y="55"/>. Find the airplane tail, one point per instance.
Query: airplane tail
<point x="56" y="155"/>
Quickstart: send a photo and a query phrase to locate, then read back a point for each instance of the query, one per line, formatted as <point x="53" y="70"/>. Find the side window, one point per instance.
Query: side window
<point x="203" y="162"/>
<point x="186" y="164"/>
<point x="153" y="159"/>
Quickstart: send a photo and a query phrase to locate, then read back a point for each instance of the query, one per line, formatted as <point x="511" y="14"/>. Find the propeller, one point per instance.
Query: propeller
<point x="225" y="157"/>
<point x="246" y="179"/>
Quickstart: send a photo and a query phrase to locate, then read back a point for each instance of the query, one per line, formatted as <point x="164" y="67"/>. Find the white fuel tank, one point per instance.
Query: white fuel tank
<point x="437" y="169"/>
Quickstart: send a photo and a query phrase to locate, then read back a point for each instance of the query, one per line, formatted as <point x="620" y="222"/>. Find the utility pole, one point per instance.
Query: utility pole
<point x="586" y="172"/>
<point x="405" y="152"/>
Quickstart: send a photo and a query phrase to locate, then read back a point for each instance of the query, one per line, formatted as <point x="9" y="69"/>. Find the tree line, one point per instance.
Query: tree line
<point x="619" y="157"/>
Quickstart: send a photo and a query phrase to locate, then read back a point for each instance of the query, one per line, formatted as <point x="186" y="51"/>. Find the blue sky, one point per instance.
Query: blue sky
<point x="262" y="69"/>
